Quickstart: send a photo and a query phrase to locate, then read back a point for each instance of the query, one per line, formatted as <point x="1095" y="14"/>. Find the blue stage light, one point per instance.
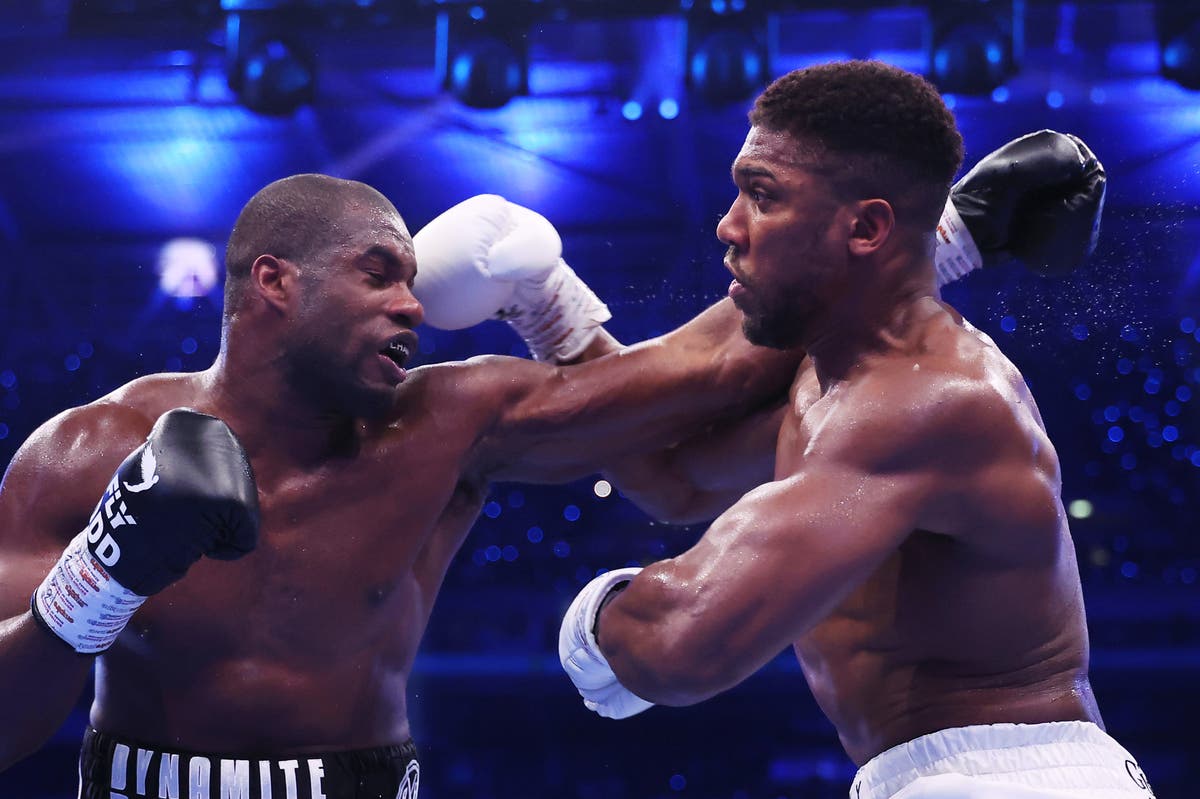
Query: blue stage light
<point x="972" y="48"/>
<point x="486" y="74"/>
<point x="276" y="79"/>
<point x="728" y="65"/>
<point x="1178" y="27"/>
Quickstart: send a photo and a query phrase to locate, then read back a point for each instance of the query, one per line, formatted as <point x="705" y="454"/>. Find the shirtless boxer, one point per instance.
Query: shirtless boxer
<point x="911" y="545"/>
<point x="344" y="494"/>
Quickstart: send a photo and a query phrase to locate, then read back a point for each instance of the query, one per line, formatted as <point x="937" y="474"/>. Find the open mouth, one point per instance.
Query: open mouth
<point x="398" y="352"/>
<point x="395" y="354"/>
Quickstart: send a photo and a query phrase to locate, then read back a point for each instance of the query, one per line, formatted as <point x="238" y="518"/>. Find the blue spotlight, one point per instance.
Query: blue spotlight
<point x="486" y="74"/>
<point x="727" y="66"/>
<point x="1178" y="27"/>
<point x="276" y="79"/>
<point x="972" y="48"/>
<point x="481" y="57"/>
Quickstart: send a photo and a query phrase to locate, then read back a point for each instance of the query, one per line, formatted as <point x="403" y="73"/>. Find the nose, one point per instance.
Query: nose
<point x="730" y="230"/>
<point x="404" y="307"/>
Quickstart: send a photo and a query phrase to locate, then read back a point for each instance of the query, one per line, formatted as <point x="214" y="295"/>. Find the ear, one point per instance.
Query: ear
<point x="273" y="280"/>
<point x="873" y="224"/>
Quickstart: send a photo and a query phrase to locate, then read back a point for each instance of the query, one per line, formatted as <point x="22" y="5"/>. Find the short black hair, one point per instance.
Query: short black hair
<point x="295" y="218"/>
<point x="876" y="130"/>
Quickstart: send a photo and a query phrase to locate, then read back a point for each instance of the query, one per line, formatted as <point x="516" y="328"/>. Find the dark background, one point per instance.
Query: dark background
<point x="119" y="132"/>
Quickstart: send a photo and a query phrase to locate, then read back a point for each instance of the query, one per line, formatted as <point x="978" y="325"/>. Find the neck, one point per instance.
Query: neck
<point x="268" y="414"/>
<point x="870" y="319"/>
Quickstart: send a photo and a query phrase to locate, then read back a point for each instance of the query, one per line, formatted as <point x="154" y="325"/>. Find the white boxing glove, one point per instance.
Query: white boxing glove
<point x="487" y="258"/>
<point x="582" y="659"/>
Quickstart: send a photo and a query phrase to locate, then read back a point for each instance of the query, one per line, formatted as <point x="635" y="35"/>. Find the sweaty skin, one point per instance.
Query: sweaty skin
<point x="912" y="546"/>
<point x="369" y="480"/>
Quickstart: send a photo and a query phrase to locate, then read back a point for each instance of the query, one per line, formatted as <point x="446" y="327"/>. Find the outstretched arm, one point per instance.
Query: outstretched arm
<point x="552" y="424"/>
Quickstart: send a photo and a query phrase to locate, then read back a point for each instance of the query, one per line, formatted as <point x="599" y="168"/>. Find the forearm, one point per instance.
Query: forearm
<point x="641" y="399"/>
<point x="40" y="681"/>
<point x="644" y="634"/>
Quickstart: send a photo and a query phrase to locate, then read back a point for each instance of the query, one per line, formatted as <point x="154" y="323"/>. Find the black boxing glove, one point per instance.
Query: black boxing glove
<point x="187" y="492"/>
<point x="1037" y="199"/>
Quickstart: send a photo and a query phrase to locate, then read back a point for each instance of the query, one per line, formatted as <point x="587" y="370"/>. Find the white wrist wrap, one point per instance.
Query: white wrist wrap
<point x="956" y="253"/>
<point x="81" y="603"/>
<point x="558" y="316"/>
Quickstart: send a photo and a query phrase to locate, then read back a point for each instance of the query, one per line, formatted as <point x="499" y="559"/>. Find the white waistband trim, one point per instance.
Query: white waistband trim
<point x="1070" y="755"/>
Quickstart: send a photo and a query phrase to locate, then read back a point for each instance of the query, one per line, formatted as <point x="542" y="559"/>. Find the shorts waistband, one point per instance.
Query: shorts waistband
<point x="1077" y="752"/>
<point x="120" y="768"/>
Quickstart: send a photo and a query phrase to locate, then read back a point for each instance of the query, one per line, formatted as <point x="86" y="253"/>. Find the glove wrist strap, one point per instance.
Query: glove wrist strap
<point x="956" y="253"/>
<point x="81" y="603"/>
<point x="557" y="316"/>
<point x="599" y="591"/>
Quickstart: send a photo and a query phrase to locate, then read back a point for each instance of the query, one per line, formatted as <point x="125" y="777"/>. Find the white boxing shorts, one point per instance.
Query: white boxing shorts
<point x="1056" y="760"/>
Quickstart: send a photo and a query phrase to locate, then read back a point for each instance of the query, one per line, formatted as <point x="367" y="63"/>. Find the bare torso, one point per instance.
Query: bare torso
<point x="307" y="643"/>
<point x="966" y="623"/>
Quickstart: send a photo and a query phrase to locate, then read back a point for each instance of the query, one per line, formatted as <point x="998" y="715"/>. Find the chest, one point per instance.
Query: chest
<point x="347" y="553"/>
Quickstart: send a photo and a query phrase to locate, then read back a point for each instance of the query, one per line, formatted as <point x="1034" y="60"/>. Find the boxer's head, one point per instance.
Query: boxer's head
<point x="325" y="266"/>
<point x="839" y="158"/>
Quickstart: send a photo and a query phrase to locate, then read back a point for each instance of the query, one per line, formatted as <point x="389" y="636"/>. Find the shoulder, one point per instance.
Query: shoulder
<point x="56" y="476"/>
<point x="79" y="437"/>
<point x="98" y="435"/>
<point x="937" y="410"/>
<point x="117" y="422"/>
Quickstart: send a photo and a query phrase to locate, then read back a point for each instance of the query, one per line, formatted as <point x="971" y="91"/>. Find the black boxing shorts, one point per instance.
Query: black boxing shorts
<point x="113" y="768"/>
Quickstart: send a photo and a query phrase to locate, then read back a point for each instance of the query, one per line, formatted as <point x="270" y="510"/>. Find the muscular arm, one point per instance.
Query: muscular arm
<point x="790" y="551"/>
<point x="552" y="424"/>
<point x="697" y="479"/>
<point x="48" y="493"/>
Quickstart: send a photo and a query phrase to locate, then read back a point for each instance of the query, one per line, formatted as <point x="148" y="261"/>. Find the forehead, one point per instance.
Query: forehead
<point x="366" y="225"/>
<point x="777" y="155"/>
<point x="770" y="150"/>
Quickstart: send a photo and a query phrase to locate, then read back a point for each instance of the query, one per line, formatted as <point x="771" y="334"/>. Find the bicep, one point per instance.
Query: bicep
<point x="767" y="570"/>
<point x="789" y="551"/>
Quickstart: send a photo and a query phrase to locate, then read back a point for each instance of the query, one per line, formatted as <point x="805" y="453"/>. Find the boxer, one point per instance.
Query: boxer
<point x="911" y="545"/>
